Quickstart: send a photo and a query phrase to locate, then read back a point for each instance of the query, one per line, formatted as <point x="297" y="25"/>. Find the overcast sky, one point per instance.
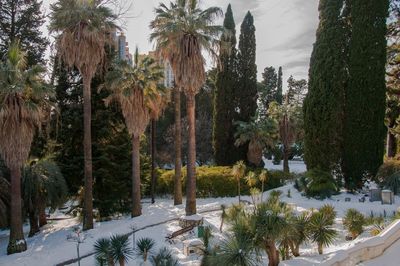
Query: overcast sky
<point x="285" y="29"/>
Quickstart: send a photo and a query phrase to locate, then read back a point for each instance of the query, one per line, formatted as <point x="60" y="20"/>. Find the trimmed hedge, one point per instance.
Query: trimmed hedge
<point x="216" y="181"/>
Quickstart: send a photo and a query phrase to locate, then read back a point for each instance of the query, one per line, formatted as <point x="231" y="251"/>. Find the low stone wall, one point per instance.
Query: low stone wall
<point x="367" y="250"/>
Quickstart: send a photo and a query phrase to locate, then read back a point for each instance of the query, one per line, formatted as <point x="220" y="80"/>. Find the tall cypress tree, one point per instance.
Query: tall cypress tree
<point x="267" y="90"/>
<point x="364" y="129"/>
<point x="246" y="90"/>
<point x="323" y="106"/>
<point x="224" y="100"/>
<point x="22" y="20"/>
<point x="279" y="92"/>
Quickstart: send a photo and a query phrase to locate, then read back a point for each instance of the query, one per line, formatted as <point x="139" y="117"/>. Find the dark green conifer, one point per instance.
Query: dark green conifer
<point x="364" y="129"/>
<point x="323" y="105"/>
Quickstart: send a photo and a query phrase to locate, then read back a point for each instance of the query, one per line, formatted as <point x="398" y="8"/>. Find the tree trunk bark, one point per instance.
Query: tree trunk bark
<point x="391" y="145"/>
<point x="178" y="149"/>
<point x="191" y="164"/>
<point x="17" y="242"/>
<point x="87" y="147"/>
<point x="320" y="249"/>
<point x="42" y="212"/>
<point x="33" y="223"/>
<point x="136" y="196"/>
<point x="153" y="160"/>
<point x="286" y="148"/>
<point x="273" y="254"/>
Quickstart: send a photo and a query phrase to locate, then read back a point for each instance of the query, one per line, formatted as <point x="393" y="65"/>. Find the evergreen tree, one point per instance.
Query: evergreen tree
<point x="364" y="128"/>
<point x="267" y="90"/>
<point x="22" y="20"/>
<point x="297" y="90"/>
<point x="393" y="81"/>
<point x="323" y="105"/>
<point x="224" y="99"/>
<point x="246" y="91"/>
<point x="279" y="92"/>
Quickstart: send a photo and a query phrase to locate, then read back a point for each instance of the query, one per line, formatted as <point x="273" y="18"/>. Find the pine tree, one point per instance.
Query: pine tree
<point x="323" y="105"/>
<point x="279" y="92"/>
<point x="22" y="21"/>
<point x="224" y="99"/>
<point x="267" y="90"/>
<point x="364" y="129"/>
<point x="246" y="91"/>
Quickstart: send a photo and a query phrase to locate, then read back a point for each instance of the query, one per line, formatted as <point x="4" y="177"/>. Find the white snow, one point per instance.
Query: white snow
<point x="296" y="167"/>
<point x="51" y="246"/>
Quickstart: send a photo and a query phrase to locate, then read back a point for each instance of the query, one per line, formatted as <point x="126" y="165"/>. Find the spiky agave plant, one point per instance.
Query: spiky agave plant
<point x="144" y="246"/>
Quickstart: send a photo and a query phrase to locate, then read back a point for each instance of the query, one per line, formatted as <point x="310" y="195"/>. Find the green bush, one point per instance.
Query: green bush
<point x="388" y="175"/>
<point x="320" y="184"/>
<point x="217" y="181"/>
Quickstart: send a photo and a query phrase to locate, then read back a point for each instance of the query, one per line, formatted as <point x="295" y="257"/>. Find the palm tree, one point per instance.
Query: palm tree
<point x="43" y="184"/>
<point x="181" y="32"/>
<point x="24" y="103"/>
<point x="354" y="222"/>
<point x="164" y="257"/>
<point x="157" y="102"/>
<point x="84" y="29"/>
<point x="238" y="171"/>
<point x="289" y="118"/>
<point x="109" y="251"/>
<point x="263" y="177"/>
<point x="258" y="135"/>
<point x="136" y="90"/>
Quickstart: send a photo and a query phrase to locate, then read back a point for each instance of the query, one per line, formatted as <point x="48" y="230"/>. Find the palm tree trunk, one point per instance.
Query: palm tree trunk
<point x="286" y="148"/>
<point x="191" y="164"/>
<point x="136" y="207"/>
<point x="153" y="161"/>
<point x="87" y="147"/>
<point x="238" y="185"/>
<point x="122" y="261"/>
<point x="391" y="145"/>
<point x="42" y="212"/>
<point x="33" y="223"/>
<point x="178" y="149"/>
<point x="17" y="242"/>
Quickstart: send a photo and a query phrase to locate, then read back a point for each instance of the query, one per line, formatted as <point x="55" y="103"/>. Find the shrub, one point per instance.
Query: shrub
<point x="354" y="222"/>
<point x="388" y="175"/>
<point x="329" y="212"/>
<point x="109" y="251"/>
<point x="320" y="184"/>
<point x="217" y="181"/>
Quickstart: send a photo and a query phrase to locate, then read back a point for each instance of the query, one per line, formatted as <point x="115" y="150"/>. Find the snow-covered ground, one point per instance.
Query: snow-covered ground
<point x="51" y="245"/>
<point x="294" y="166"/>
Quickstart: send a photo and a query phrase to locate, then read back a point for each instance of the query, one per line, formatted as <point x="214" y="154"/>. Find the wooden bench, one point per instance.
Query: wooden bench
<point x="175" y="234"/>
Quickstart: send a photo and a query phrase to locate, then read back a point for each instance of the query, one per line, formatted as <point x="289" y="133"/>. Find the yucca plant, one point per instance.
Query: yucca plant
<point x="102" y="252"/>
<point x="263" y="177"/>
<point x="164" y="257"/>
<point x="238" y="171"/>
<point x="223" y="216"/>
<point x="237" y="248"/>
<point x="329" y="212"/>
<point x="302" y="234"/>
<point x="254" y="193"/>
<point x="251" y="179"/>
<point x="144" y="247"/>
<point x="321" y="230"/>
<point x="354" y="221"/>
<point x="120" y="251"/>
